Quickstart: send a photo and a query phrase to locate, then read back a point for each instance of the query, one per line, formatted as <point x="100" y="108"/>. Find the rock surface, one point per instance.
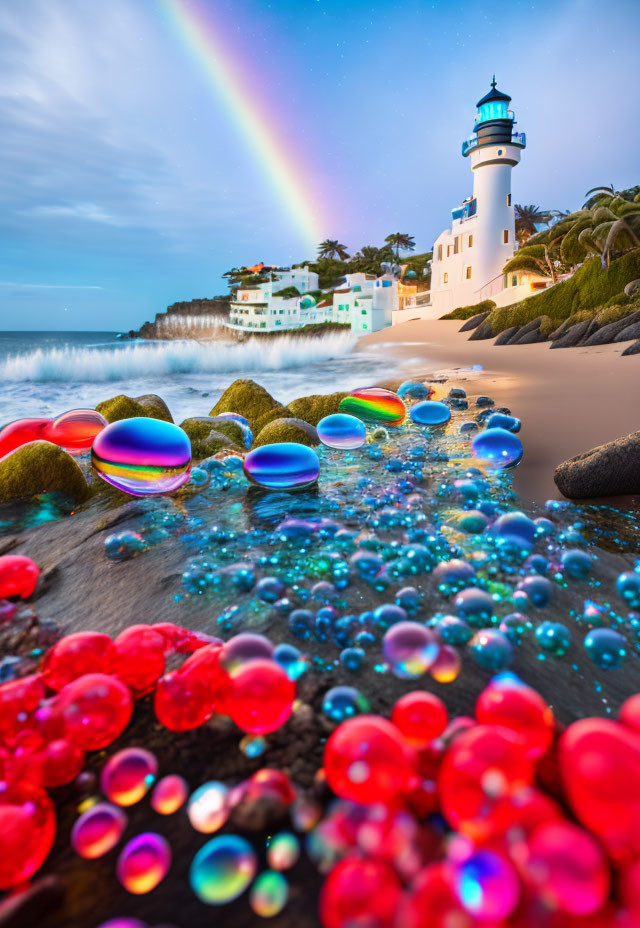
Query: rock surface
<point x="208" y="436"/>
<point x="248" y="399"/>
<point x="122" y="406"/>
<point x="629" y="333"/>
<point x="315" y="407"/>
<point x="632" y="287"/>
<point x="572" y="336"/>
<point x="481" y="332"/>
<point x="632" y="349"/>
<point x="473" y="323"/>
<point x="505" y="337"/>
<point x="40" y="467"/>
<point x="287" y="429"/>
<point x="612" y="469"/>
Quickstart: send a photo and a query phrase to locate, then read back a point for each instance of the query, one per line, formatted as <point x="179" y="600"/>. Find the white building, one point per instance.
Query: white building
<point x="261" y="308"/>
<point x="468" y="257"/>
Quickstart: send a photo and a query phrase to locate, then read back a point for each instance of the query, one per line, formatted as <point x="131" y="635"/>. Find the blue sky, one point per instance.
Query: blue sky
<point x="126" y="184"/>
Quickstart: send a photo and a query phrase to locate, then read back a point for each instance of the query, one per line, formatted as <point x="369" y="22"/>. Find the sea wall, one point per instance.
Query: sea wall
<point x="187" y="319"/>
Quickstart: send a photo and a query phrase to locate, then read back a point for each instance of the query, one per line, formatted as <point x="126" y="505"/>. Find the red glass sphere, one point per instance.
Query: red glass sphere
<point x="367" y="760"/>
<point x="205" y="665"/>
<point x="261" y="697"/>
<point x="140" y="657"/>
<point x="59" y="762"/>
<point x="512" y="704"/>
<point x="360" y="892"/>
<point x="96" y="709"/>
<point x="420" y="717"/>
<point x="27" y="827"/>
<point x="629" y="713"/>
<point x="484" y="767"/>
<point x="76" y="655"/>
<point x="433" y="901"/>
<point x="18" y="576"/>
<point x="18" y="699"/>
<point x="182" y="701"/>
<point x="18" y="433"/>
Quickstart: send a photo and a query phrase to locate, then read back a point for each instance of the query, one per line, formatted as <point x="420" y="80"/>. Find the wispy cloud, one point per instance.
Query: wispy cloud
<point x="19" y="285"/>
<point x="86" y="212"/>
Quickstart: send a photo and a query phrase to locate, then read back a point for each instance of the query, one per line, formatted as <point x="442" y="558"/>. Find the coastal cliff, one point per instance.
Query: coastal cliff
<point x="188" y="318"/>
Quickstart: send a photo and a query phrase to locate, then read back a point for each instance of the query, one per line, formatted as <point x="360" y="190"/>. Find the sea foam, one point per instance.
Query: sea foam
<point x="142" y="359"/>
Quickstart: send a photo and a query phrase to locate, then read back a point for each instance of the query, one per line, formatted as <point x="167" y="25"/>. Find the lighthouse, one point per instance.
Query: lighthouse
<point x="468" y="258"/>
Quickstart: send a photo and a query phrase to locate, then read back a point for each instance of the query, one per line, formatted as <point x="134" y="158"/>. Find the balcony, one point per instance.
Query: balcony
<point x="517" y="138"/>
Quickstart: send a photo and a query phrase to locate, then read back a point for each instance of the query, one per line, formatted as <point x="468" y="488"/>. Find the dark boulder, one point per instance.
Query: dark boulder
<point x="484" y="330"/>
<point x="473" y="323"/>
<point x="632" y="287"/>
<point x="607" y="333"/>
<point x="629" y="333"/>
<point x="612" y="469"/>
<point x="527" y="338"/>
<point x="505" y="337"/>
<point x="572" y="336"/>
<point x="632" y="349"/>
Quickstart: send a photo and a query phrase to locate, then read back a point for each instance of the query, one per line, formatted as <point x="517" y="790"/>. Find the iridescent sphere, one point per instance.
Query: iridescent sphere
<point x="284" y="466"/>
<point x="487" y="885"/>
<point x="497" y="448"/>
<point x="491" y="649"/>
<point x="378" y="435"/>
<point x="342" y="431"/>
<point x="142" y="456"/>
<point x="143" y="863"/>
<point x="410" y="649"/>
<point x="121" y="546"/>
<point x="98" y="830"/>
<point x="430" y="412"/>
<point x="475" y="606"/>
<point x="269" y="894"/>
<point x="514" y="529"/>
<point x="498" y="420"/>
<point x="208" y="808"/>
<point x="554" y="638"/>
<point x="451" y="576"/>
<point x="628" y="587"/>
<point x="606" y="648"/>
<point x="513" y="626"/>
<point x="247" y="434"/>
<point x="169" y="794"/>
<point x="222" y="869"/>
<point x="308" y="301"/>
<point x="292" y="661"/>
<point x="344" y="702"/>
<point x="538" y="590"/>
<point x="374" y="404"/>
<point x="576" y="563"/>
<point x="75" y="431"/>
<point x="283" y="851"/>
<point x="242" y="648"/>
<point x="413" y="390"/>
<point x="128" y="776"/>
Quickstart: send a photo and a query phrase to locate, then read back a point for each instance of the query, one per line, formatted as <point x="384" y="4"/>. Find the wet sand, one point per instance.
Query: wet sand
<point x="569" y="399"/>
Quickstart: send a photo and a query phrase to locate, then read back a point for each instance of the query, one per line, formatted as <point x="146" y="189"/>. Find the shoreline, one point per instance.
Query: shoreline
<point x="569" y="399"/>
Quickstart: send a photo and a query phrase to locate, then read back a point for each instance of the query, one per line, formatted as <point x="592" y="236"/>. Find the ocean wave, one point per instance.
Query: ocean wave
<point x="95" y="365"/>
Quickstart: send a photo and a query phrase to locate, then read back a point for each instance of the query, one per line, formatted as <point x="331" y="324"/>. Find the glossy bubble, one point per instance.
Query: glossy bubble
<point x="283" y="851"/>
<point x="447" y="665"/>
<point x="27" y="827"/>
<point x="487" y="886"/>
<point x="344" y="702"/>
<point x="554" y="638"/>
<point x="374" y="404"/>
<point x="143" y="456"/>
<point x="576" y="563"/>
<point x="18" y="576"/>
<point x="243" y="423"/>
<point x="628" y="587"/>
<point x="222" y="869"/>
<point x="413" y="390"/>
<point x="606" y="648"/>
<point x="128" y="776"/>
<point x="242" y="648"/>
<point x="498" y="420"/>
<point x="497" y="448"/>
<point x="143" y="863"/>
<point x="283" y="466"/>
<point x="269" y="894"/>
<point x="420" y="717"/>
<point x="261" y="697"/>
<point x="451" y="576"/>
<point x="98" y="830"/>
<point x="342" y="431"/>
<point x="378" y="435"/>
<point x="475" y="606"/>
<point x="360" y="893"/>
<point x="410" y="649"/>
<point x="169" y="794"/>
<point x="209" y="807"/>
<point x="514" y="530"/>
<point x="491" y="649"/>
<point x="96" y="709"/>
<point x="75" y="431"/>
<point x="510" y="703"/>
<point x="430" y="412"/>
<point x="21" y="431"/>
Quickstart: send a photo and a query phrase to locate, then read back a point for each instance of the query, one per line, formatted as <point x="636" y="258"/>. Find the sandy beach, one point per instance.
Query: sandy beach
<point x="569" y="399"/>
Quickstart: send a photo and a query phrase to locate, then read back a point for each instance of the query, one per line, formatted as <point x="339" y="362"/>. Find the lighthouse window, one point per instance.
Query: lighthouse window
<point x="505" y="236"/>
<point x="508" y="199"/>
<point x="470" y="243"/>
<point x="469" y="273"/>
<point x="445" y="279"/>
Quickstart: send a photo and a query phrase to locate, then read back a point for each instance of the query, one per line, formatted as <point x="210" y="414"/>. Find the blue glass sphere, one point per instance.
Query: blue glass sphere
<point x="497" y="448"/>
<point x="430" y="412"/>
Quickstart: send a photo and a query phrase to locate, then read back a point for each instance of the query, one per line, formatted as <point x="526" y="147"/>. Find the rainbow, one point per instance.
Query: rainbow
<point x="195" y="26"/>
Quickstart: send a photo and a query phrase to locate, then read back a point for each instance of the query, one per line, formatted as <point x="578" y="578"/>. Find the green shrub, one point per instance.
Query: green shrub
<point x="589" y="288"/>
<point x="287" y="293"/>
<point x="468" y="312"/>
<point x="611" y="314"/>
<point x="620" y="299"/>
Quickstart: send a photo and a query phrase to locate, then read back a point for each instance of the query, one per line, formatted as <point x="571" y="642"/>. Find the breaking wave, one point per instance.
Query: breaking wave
<point x="141" y="359"/>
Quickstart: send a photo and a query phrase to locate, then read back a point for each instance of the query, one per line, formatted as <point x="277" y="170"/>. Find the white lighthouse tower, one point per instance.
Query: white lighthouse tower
<point x="469" y="257"/>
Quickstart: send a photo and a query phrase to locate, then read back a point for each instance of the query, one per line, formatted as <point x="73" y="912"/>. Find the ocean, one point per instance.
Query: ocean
<point x="47" y="373"/>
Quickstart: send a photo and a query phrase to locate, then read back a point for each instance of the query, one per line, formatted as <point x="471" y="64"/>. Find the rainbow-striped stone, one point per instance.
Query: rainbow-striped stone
<point x="143" y="457"/>
<point x="374" y="404"/>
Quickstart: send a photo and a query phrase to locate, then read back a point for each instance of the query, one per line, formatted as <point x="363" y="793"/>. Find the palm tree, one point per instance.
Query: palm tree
<point x="400" y="240"/>
<point x="537" y="258"/>
<point x="331" y="248"/>
<point x="527" y="219"/>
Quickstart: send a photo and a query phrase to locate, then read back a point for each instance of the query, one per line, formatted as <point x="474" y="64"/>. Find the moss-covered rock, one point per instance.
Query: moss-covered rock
<point x="468" y="312"/>
<point x="208" y="436"/>
<point x="40" y="467"/>
<point x="287" y="430"/>
<point x="269" y="416"/>
<point x="314" y="408"/>
<point x="248" y="399"/>
<point x="128" y="407"/>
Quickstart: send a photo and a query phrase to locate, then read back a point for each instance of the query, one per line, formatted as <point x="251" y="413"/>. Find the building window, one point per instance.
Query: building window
<point x="470" y="243"/>
<point x="439" y="252"/>
<point x="456" y="245"/>
<point x="445" y="279"/>
<point x="363" y="312"/>
<point x="448" y="250"/>
<point x="469" y="273"/>
<point x="508" y="199"/>
<point x="364" y="325"/>
<point x="514" y="280"/>
<point x="505" y="236"/>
